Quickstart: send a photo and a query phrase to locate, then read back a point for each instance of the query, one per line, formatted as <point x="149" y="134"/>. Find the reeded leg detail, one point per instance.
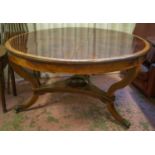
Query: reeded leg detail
<point x="27" y="75"/>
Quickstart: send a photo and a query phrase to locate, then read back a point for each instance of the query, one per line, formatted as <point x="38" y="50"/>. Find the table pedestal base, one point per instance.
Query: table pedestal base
<point x="77" y="84"/>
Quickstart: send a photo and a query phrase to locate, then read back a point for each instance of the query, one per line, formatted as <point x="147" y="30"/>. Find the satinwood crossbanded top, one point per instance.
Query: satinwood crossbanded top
<point x="77" y="45"/>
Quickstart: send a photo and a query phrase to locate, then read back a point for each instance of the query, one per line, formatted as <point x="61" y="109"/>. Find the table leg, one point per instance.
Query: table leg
<point x="34" y="82"/>
<point x="78" y="84"/>
<point x="128" y="78"/>
<point x="82" y="84"/>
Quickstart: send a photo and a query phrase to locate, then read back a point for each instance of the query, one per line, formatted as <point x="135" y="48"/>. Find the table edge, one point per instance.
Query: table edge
<point x="31" y="57"/>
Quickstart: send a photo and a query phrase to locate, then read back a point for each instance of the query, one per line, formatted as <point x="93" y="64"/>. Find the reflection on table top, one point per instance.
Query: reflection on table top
<point x="76" y="44"/>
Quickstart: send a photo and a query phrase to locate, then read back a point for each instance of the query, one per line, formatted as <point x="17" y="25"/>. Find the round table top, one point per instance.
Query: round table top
<point x="77" y="45"/>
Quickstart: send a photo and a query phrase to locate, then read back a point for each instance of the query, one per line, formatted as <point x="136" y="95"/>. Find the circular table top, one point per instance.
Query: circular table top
<point x="77" y="45"/>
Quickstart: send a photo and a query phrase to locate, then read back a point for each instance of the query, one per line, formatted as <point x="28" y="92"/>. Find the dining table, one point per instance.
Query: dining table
<point x="80" y="52"/>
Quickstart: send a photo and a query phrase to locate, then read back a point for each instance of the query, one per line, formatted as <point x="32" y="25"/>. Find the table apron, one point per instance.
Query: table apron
<point x="92" y="68"/>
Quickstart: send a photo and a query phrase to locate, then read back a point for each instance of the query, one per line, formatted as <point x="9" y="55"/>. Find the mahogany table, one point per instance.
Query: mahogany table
<point x="79" y="51"/>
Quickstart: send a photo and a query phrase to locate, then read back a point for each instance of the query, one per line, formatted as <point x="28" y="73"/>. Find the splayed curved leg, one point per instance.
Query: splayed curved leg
<point x="77" y="84"/>
<point x="27" y="75"/>
<point x="117" y="116"/>
<point x="129" y="77"/>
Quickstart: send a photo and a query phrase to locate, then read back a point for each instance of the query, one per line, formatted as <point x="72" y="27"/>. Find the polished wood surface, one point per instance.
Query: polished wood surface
<point x="32" y="49"/>
<point x="80" y="51"/>
<point x="77" y="45"/>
